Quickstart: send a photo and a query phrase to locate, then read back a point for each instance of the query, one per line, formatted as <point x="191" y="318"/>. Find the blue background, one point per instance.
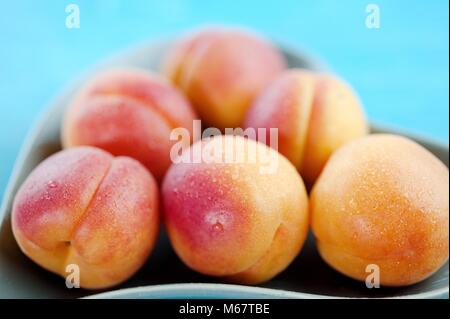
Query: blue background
<point x="400" y="70"/>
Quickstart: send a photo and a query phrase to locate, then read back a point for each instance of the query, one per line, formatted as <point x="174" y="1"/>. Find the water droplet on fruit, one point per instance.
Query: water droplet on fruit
<point x="217" y="226"/>
<point x="217" y="220"/>
<point x="52" y="184"/>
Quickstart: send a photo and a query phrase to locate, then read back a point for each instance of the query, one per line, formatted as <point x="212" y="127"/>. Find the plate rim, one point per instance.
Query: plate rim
<point x="232" y="288"/>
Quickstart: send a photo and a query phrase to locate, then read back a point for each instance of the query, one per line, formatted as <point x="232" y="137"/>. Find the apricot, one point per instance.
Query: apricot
<point x="128" y="112"/>
<point x="83" y="206"/>
<point x="221" y="71"/>
<point x="241" y="214"/>
<point x="382" y="200"/>
<point x="315" y="114"/>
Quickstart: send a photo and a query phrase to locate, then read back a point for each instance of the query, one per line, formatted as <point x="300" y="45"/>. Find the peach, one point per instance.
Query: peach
<point x="128" y="112"/>
<point x="382" y="200"/>
<point x="232" y="218"/>
<point x="315" y="114"/>
<point x="222" y="70"/>
<point x="82" y="206"/>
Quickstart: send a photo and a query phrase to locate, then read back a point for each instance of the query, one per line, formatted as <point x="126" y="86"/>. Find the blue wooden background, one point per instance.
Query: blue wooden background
<point x="400" y="70"/>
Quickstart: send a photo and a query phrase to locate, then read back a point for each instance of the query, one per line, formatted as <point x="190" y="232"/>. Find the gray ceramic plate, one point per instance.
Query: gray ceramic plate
<point x="164" y="275"/>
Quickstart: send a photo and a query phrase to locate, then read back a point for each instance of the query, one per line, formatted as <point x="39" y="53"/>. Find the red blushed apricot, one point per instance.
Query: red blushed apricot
<point x="232" y="218"/>
<point x="221" y="71"/>
<point x="383" y="200"/>
<point x="83" y="206"/>
<point x="128" y="112"/>
<point x="314" y="114"/>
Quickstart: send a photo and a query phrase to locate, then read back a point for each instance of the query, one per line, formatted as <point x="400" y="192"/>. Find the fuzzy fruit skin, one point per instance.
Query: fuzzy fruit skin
<point x="228" y="219"/>
<point x="221" y="71"/>
<point x="382" y="199"/>
<point x="128" y="112"/>
<point x="315" y="114"/>
<point x="83" y="206"/>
